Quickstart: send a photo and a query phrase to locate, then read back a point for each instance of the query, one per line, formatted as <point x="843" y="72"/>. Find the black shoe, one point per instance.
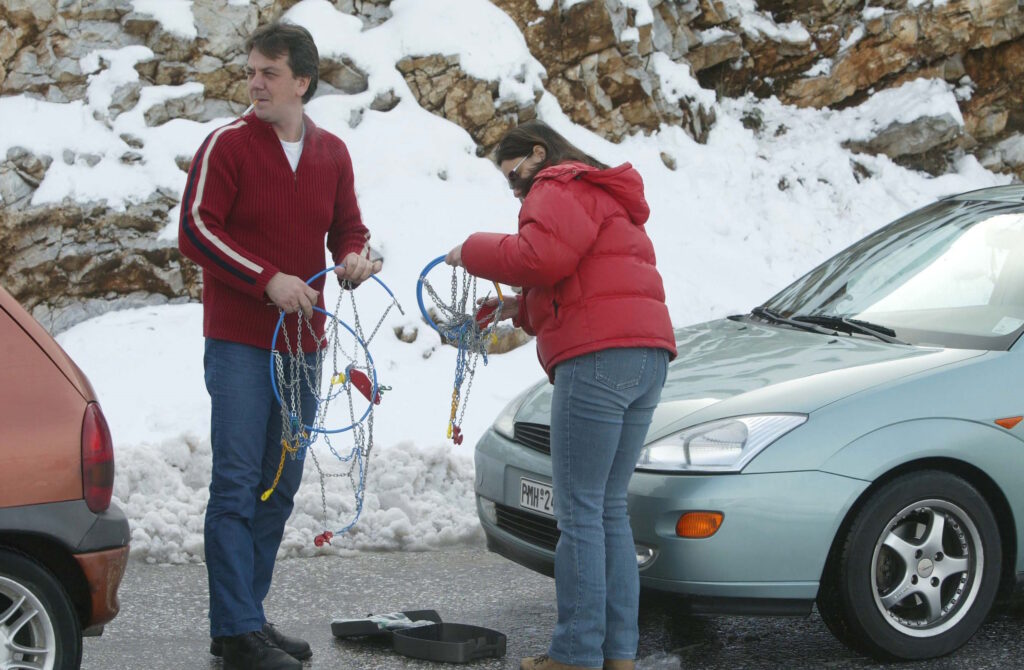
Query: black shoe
<point x="292" y="646"/>
<point x="255" y="651"/>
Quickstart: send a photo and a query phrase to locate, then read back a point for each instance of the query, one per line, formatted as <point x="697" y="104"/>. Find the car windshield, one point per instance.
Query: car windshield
<point x="949" y="275"/>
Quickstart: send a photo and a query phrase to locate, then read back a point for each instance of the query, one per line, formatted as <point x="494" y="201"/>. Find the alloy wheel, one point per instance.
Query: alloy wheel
<point x="27" y="637"/>
<point x="926" y="568"/>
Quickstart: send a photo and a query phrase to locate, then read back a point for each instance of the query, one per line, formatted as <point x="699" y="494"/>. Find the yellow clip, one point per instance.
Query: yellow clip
<point x="338" y="379"/>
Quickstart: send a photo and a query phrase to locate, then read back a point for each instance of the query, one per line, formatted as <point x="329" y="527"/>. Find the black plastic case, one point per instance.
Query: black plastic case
<point x="367" y="628"/>
<point x="450" y="643"/>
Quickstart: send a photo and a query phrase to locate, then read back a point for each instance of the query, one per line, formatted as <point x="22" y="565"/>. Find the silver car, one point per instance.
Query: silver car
<point x="852" y="442"/>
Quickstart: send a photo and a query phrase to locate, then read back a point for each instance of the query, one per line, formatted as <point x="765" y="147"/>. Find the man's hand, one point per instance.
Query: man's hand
<point x="357" y="269"/>
<point x="291" y="294"/>
<point x="454" y="257"/>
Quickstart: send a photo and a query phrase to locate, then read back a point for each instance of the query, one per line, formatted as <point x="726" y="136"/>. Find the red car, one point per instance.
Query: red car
<point x="63" y="545"/>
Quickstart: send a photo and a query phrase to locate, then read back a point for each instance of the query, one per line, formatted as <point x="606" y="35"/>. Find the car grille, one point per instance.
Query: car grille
<point x="536" y="436"/>
<point x="533" y="528"/>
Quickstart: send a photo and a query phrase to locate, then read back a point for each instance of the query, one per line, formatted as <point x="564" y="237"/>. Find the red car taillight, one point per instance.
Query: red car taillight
<point x="97" y="459"/>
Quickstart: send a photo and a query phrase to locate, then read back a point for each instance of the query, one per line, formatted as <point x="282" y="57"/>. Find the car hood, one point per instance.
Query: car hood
<point x="731" y="368"/>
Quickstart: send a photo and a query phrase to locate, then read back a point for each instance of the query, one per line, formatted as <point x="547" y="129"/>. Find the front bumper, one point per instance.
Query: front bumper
<point x="768" y="555"/>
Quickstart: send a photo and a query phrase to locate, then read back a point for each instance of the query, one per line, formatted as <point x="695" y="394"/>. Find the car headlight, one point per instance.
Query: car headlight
<point x="726" y="445"/>
<point x="505" y="424"/>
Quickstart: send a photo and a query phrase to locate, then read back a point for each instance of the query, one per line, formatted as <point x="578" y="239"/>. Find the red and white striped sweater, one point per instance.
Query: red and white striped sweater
<point x="245" y="216"/>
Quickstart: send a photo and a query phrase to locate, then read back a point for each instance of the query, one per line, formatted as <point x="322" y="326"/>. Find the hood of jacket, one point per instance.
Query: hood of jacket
<point x="623" y="183"/>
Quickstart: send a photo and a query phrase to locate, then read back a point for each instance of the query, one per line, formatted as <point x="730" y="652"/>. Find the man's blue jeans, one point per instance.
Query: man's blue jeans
<point x="600" y="412"/>
<point x="243" y="533"/>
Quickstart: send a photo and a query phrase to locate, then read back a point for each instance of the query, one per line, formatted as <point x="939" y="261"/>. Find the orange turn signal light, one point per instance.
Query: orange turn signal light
<point x="699" y="525"/>
<point x="1010" y="423"/>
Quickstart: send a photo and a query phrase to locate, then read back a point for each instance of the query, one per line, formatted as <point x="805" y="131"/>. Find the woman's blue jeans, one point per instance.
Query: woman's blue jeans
<point x="600" y="413"/>
<point x="243" y="533"/>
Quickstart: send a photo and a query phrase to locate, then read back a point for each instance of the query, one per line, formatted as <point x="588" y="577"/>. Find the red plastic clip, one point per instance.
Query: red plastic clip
<point x="323" y="537"/>
<point x="362" y="383"/>
<point x="457" y="436"/>
<point x="485" y="315"/>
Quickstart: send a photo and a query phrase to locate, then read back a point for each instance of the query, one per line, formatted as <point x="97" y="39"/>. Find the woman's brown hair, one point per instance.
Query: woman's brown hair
<point x="520" y="142"/>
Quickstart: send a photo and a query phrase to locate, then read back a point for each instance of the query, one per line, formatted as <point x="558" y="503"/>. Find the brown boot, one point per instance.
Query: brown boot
<point x="545" y="662"/>
<point x="610" y="664"/>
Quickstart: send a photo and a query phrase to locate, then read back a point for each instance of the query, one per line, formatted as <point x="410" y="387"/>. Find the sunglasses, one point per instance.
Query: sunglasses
<point x="513" y="176"/>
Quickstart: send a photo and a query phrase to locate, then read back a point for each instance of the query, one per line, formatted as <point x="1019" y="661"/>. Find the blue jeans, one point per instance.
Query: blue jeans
<point x="243" y="533"/>
<point x="600" y="412"/>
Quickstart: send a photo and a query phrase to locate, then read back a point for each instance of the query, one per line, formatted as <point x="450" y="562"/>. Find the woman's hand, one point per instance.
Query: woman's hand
<point x="454" y="257"/>
<point x="509" y="306"/>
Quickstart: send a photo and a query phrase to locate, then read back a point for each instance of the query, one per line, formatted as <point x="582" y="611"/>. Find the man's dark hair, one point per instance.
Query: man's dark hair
<point x="520" y="142"/>
<point x="277" y="38"/>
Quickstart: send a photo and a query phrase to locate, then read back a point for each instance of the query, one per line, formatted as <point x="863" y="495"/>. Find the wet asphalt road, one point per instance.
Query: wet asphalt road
<point x="162" y="625"/>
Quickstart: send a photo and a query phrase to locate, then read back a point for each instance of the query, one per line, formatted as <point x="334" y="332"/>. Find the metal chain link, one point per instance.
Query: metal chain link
<point x="459" y="327"/>
<point x="291" y="374"/>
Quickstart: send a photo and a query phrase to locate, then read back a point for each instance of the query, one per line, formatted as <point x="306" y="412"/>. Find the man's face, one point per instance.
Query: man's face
<point x="274" y="89"/>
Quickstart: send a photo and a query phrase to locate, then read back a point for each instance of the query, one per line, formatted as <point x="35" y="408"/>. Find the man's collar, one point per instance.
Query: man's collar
<point x="308" y="127"/>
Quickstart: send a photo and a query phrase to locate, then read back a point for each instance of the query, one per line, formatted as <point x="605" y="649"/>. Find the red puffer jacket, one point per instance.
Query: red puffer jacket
<point x="584" y="261"/>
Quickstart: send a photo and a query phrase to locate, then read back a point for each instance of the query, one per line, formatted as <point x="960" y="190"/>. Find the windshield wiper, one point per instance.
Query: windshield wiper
<point x="775" y="317"/>
<point x="852" y="325"/>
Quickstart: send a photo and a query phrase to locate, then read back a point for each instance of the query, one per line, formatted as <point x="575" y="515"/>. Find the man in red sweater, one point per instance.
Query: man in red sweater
<point x="262" y="194"/>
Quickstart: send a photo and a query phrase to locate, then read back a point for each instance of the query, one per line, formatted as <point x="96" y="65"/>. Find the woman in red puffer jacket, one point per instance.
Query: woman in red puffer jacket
<point x="593" y="297"/>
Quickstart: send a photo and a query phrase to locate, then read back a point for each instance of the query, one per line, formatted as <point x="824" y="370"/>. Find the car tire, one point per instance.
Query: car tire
<point x="918" y="570"/>
<point x="52" y="626"/>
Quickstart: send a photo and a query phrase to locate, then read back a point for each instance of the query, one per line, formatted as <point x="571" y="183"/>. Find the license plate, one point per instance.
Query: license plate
<point x="536" y="496"/>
